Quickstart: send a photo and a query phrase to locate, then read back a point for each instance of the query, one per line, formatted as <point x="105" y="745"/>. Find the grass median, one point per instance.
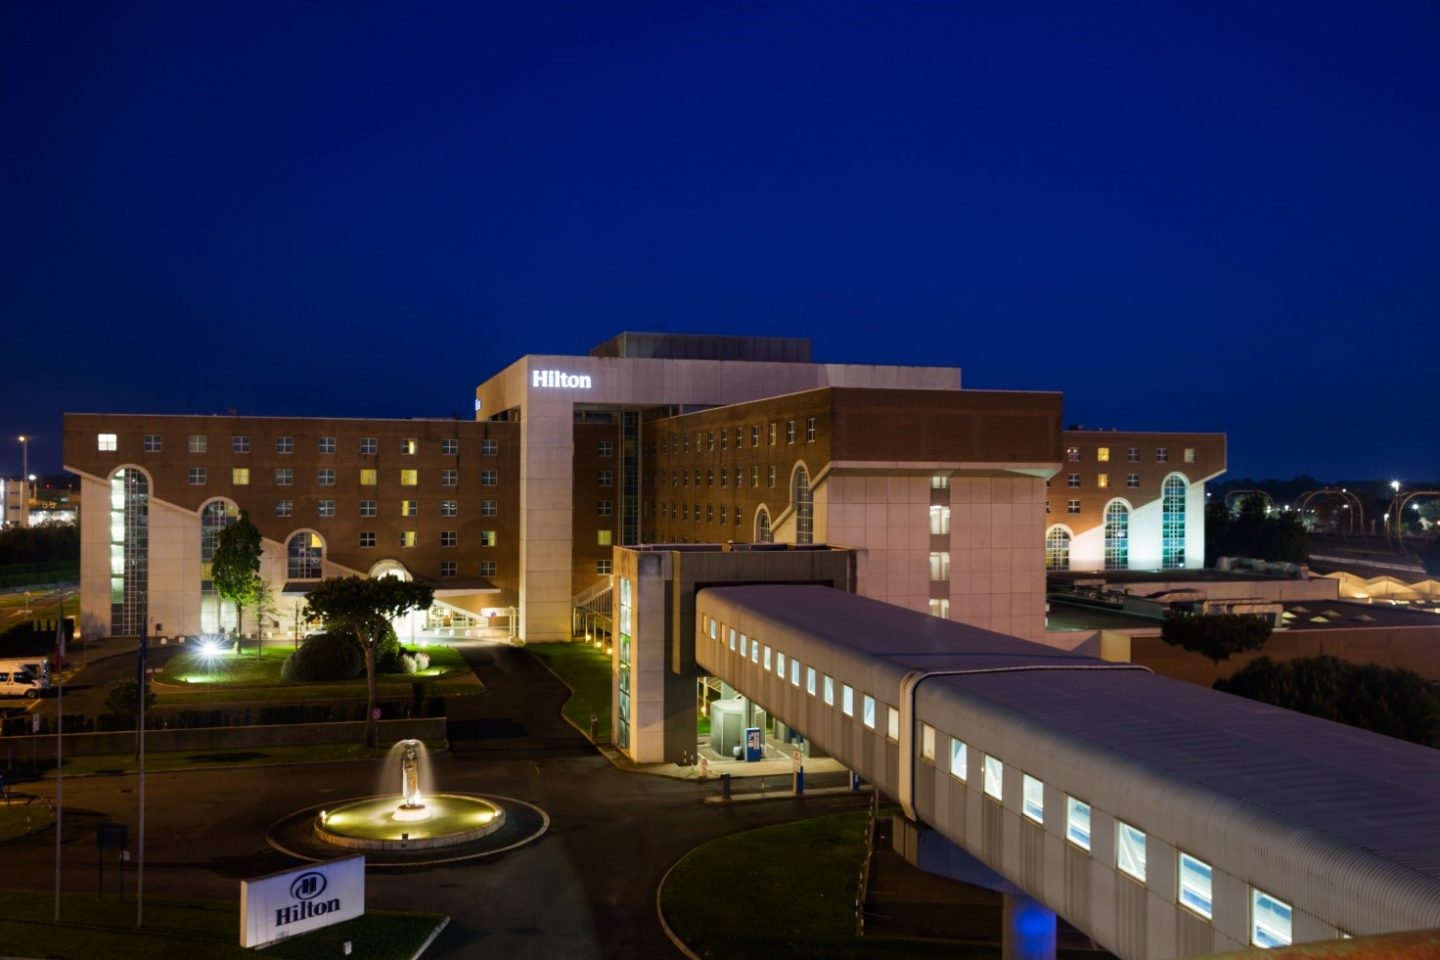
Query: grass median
<point x="20" y="815"/>
<point x="193" y="929"/>
<point x="115" y="765"/>
<point x="586" y="671"/>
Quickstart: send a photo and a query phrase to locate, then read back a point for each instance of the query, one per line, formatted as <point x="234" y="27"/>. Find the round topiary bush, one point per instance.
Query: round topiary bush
<point x="325" y="656"/>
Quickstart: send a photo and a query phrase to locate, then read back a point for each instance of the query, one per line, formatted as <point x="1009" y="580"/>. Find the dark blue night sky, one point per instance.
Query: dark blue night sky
<point x="1190" y="217"/>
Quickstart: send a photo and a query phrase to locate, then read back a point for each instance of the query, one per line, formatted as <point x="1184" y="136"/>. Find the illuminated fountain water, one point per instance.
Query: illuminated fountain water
<point x="413" y="820"/>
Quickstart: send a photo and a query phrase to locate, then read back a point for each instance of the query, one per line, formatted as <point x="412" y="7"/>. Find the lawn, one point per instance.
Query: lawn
<point x="586" y="671"/>
<point x="22" y="815"/>
<point x="193" y="929"/>
<point x="200" y="759"/>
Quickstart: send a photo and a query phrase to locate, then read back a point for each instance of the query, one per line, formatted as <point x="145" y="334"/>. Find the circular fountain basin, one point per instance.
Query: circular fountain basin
<point x="372" y="824"/>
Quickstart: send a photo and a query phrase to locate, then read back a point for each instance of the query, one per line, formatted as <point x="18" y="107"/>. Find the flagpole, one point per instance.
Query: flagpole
<point x="144" y="688"/>
<point x="59" y="733"/>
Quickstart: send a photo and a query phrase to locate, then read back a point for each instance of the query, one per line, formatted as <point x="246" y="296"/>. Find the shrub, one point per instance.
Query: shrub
<point x="407" y="663"/>
<point x="123" y="701"/>
<point x="387" y="652"/>
<point x="325" y="656"/>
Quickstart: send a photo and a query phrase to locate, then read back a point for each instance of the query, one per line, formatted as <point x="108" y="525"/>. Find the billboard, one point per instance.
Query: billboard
<point x="297" y="901"/>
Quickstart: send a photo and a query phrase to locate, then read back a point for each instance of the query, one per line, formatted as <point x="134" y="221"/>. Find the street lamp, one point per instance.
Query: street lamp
<point x="25" y="472"/>
<point x="1395" y="509"/>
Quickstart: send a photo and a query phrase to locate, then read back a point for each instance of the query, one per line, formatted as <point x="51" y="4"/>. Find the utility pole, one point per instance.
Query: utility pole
<point x="59" y="735"/>
<point x="144" y="688"/>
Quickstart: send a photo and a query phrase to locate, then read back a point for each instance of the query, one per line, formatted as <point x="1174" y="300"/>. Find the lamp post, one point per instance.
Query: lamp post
<point x="25" y="480"/>
<point x="1395" y="510"/>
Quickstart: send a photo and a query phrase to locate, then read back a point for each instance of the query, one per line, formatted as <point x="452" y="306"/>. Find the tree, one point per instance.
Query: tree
<point x="235" y="569"/>
<point x="365" y="607"/>
<point x="1388" y="700"/>
<point x="1429" y="555"/>
<point x="123" y="700"/>
<point x="1216" y="635"/>
<point x="1252" y="532"/>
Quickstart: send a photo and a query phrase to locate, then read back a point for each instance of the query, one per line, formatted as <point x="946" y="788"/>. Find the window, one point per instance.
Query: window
<point x="449" y="478"/>
<point x="940" y="482"/>
<point x="1130" y="850"/>
<point x="325" y="445"/>
<point x="939" y="520"/>
<point x="284" y="476"/>
<point x="1032" y="797"/>
<point x="369" y="445"/>
<point x="847" y="700"/>
<point x="709" y="440"/>
<point x="408" y="445"/>
<point x="733" y="638"/>
<point x="763" y="534"/>
<point x="447" y="569"/>
<point x="804" y="503"/>
<point x="489" y="508"/>
<point x="710" y="477"/>
<point x="305" y="553"/>
<point x="1072" y="506"/>
<point x="488" y="538"/>
<point x="892" y="723"/>
<point x="368" y="476"/>
<point x="772" y="433"/>
<point x="449" y="447"/>
<point x="927" y="742"/>
<point x="284" y="444"/>
<point x="1077" y="822"/>
<point x="489" y="478"/>
<point x="709" y="513"/>
<point x="1172" y="524"/>
<point x="1047" y="504"/>
<point x="489" y="448"/>
<point x="325" y="508"/>
<point x="744" y="644"/>
<point x="239" y="444"/>
<point x="770" y="476"/>
<point x="367" y="538"/>
<point x="829" y="687"/>
<point x="725" y="440"/>
<point x="739" y="514"/>
<point x="409" y="478"/>
<point x="602" y="567"/>
<point x="1117" y="536"/>
<point x="198" y="443"/>
<point x="789" y="431"/>
<point x="367" y="508"/>
<point x="1195" y="880"/>
<point x="1057" y="549"/>
<point x="754" y="644"/>
<point x="868" y="714"/>
<point x="810" y="430"/>
<point x="1189" y="454"/>
<point x="940" y="608"/>
<point x="724" y="475"/>
<point x="240" y="476"/>
<point x="284" y="508"/>
<point x="407" y="538"/>
<point x="755" y="436"/>
<point x="1132" y="455"/>
<point x="939" y="566"/>
<point x="409" y="508"/>
<point x="994" y="777"/>
<point x="794" y="672"/>
<point x="152" y="443"/>
<point x="1102" y="454"/>
<point x="1132" y="480"/>
<point x="449" y="508"/>
<point x="1270" y="920"/>
<point x="488" y="568"/>
<point x="604" y="478"/>
<point x="325" y="476"/>
<point x="1072" y="454"/>
<point x="767" y="658"/>
<point x="196" y="476"/>
<point x="603" y="538"/>
<point x="959" y="760"/>
<point x="810" y="680"/>
<point x="754" y="475"/>
<point x="1162" y="455"/>
<point x="1102" y="480"/>
<point x="1072" y="480"/>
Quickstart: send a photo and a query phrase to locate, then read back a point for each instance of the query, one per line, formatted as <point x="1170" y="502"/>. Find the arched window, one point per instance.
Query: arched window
<point x="1172" y="523"/>
<point x="804" y="506"/>
<point x="215" y="516"/>
<point x="129" y="551"/>
<point x="305" y="551"/>
<point x="1057" y="549"/>
<point x="1117" y="536"/>
<point x="762" y="526"/>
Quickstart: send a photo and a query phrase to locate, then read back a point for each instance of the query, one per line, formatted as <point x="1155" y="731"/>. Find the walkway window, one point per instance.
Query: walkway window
<point x="1057" y="549"/>
<point x="1117" y="536"/>
<point x="869" y="716"/>
<point x="794" y="672"/>
<point x="829" y="690"/>
<point x="712" y="627"/>
<point x="1033" y="798"/>
<point x="804" y="506"/>
<point x="1130" y="850"/>
<point x="939" y="566"/>
<point x="754" y="649"/>
<point x="732" y="639"/>
<point x="847" y="700"/>
<point x="1077" y="822"/>
<point x="780" y="664"/>
<point x="767" y="658"/>
<point x="810" y="680"/>
<point x="959" y="760"/>
<point x="939" y="520"/>
<point x="994" y="777"/>
<point x="305" y="552"/>
<point x="892" y="723"/>
<point x="129" y="551"/>
<point x="1270" y="920"/>
<point x="1172" y="524"/>
<point x="762" y="526"/>
<point x="1195" y="880"/>
<point x="927" y="742"/>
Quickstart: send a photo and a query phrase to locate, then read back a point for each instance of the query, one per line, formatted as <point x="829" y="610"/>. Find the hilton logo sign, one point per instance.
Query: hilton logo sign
<point x="298" y="901"/>
<point x="552" y="379"/>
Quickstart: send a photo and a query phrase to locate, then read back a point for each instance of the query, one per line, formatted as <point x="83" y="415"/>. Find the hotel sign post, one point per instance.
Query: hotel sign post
<point x="288" y="904"/>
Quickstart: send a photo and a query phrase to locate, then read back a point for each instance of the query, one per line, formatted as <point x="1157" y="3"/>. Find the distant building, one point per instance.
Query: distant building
<point x="15" y="497"/>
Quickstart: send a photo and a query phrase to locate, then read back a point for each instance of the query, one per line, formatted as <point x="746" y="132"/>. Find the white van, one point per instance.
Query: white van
<point x="20" y="683"/>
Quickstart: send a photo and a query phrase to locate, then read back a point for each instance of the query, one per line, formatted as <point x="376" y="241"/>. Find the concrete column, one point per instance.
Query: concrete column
<point x="1029" y="929"/>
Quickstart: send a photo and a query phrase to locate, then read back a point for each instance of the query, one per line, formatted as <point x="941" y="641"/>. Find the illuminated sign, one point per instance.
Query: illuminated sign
<point x="551" y="379"/>
<point x="297" y="901"/>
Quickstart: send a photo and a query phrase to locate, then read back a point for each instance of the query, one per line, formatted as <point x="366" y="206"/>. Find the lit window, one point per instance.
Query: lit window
<point x="927" y="742"/>
<point x="754" y="436"/>
<point x="710" y="621"/>
<point x="767" y="658"/>
<point x="239" y="444"/>
<point x="939" y="520"/>
<point x="196" y="476"/>
<point x="284" y="476"/>
<point x="744" y="645"/>
<point x="603" y="538"/>
<point x="449" y="508"/>
<point x="1032" y="795"/>
<point x="152" y="443"/>
<point x="368" y="508"/>
<point x="847" y="700"/>
<point x="1130" y="850"/>
<point x="1117" y="536"/>
<point x="448" y="538"/>
<point x="489" y="508"/>
<point x="240" y="476"/>
<point x="409" y="478"/>
<point x="409" y="508"/>
<point x="939" y="566"/>
<point x="489" y="478"/>
<point x="994" y="777"/>
<point x="1189" y="454"/>
<point x="780" y="664"/>
<point x="959" y="759"/>
<point x="754" y="475"/>
<point x="488" y="568"/>
<point x="325" y="476"/>
<point x="940" y="608"/>
<point x="1077" y="822"/>
<point x="408" y="446"/>
<point x="284" y="508"/>
<point x="734" y="637"/>
<point x="754" y="646"/>
<point x="407" y="538"/>
<point x="794" y="672"/>
<point x="810" y="430"/>
<point x="369" y="445"/>
<point x="489" y="448"/>
<point x="1102" y="480"/>
<point x="1057" y="549"/>
<point x="449" y="448"/>
<point x="1195" y="880"/>
<point x="772" y="433"/>
<point x="1270" y="920"/>
<point x="892" y="723"/>
<point x="829" y="688"/>
<point x="368" y="476"/>
<point x="810" y="680"/>
<point x="325" y="508"/>
<point x="789" y="431"/>
<point x="771" y="475"/>
<point x="199" y="443"/>
<point x="1102" y="454"/>
<point x="284" y="444"/>
<point x="367" y="538"/>
<point x="602" y="567"/>
<point x="447" y="568"/>
<point x="940" y="482"/>
<point x="869" y="711"/>
<point x="325" y="445"/>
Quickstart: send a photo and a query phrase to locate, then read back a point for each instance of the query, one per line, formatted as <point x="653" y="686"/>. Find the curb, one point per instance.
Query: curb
<point x="439" y="929"/>
<point x="785" y="795"/>
<point x="660" y="911"/>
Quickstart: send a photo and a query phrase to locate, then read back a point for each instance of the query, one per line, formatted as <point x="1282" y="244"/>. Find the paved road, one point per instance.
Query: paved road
<point x="587" y="889"/>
